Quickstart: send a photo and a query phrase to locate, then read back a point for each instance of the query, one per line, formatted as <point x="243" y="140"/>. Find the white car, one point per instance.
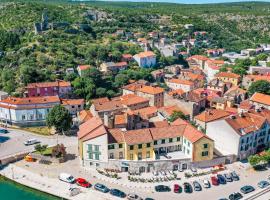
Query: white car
<point x="66" y="178"/>
<point x="206" y="184"/>
<point x="133" y="196"/>
<point x="31" y="142"/>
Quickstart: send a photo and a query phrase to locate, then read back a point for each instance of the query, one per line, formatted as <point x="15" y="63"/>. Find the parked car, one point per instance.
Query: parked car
<point x="187" y="188"/>
<point x="214" y="180"/>
<point x="31" y="142"/>
<point x="263" y="184"/>
<point x="235" y="196"/>
<point x="162" y="188"/>
<point x="66" y="178"/>
<point x="83" y="183"/>
<point x="247" y="189"/>
<point x="228" y="177"/>
<point x="133" y="196"/>
<point x="206" y="184"/>
<point x="180" y="168"/>
<point x="221" y="179"/>
<point x="193" y="169"/>
<point x="197" y="186"/>
<point x="147" y="198"/>
<point x="101" y="188"/>
<point x="117" y="193"/>
<point x="235" y="177"/>
<point x="177" y="188"/>
<point x="3" y="130"/>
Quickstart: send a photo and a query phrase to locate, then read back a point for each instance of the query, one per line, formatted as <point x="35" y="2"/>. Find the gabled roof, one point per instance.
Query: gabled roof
<point x="91" y="129"/>
<point x="261" y="98"/>
<point x="181" y="81"/>
<point x="58" y="83"/>
<point x="31" y="100"/>
<point x="151" y="90"/>
<point x="228" y="75"/>
<point x="145" y="54"/>
<point x="72" y="101"/>
<point x="211" y="115"/>
<point x="84" y="67"/>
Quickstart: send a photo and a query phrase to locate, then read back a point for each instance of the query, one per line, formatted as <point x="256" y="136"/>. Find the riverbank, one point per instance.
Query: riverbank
<point x="12" y="190"/>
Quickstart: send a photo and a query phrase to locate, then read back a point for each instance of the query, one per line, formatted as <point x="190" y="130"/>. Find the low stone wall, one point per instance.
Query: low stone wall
<point x="12" y="158"/>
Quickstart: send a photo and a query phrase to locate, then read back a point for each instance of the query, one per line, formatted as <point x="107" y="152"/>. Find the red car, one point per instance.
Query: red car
<point x="83" y="183"/>
<point x="214" y="180"/>
<point x="177" y="188"/>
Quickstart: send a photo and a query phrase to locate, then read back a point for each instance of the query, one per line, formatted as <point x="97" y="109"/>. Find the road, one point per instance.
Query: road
<point x="12" y="142"/>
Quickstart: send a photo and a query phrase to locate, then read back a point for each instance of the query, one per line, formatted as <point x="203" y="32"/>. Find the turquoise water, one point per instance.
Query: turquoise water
<point x="13" y="191"/>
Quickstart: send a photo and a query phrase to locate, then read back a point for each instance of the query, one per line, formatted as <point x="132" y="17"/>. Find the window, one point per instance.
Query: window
<point x="155" y="142"/>
<point x="131" y="156"/>
<point x="120" y="155"/>
<point x="111" y="156"/>
<point x="131" y="147"/>
<point x="170" y="140"/>
<point x="120" y="146"/>
<point x="148" y="154"/>
<point x="185" y="141"/>
<point x="148" y="145"/>
<point x="93" y="153"/>
<point x="178" y="139"/>
<point x="139" y="156"/>
<point x="111" y="146"/>
<point x="72" y="106"/>
<point x="205" y="146"/>
<point x="23" y="117"/>
<point x="139" y="146"/>
<point x="187" y="151"/>
<point x="205" y="153"/>
<point x="163" y="141"/>
<point x="188" y="144"/>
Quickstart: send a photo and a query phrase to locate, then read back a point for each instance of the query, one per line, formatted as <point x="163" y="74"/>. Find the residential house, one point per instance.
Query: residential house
<point x="218" y="85"/>
<point x="73" y="105"/>
<point x="113" y="67"/>
<point x="27" y="111"/>
<point x="209" y="116"/>
<point x="176" y="84"/>
<point x="127" y="58"/>
<point x="59" y="87"/>
<point x="154" y="94"/>
<point x="173" y="69"/>
<point x="197" y="60"/>
<point x="142" y="150"/>
<point x="229" y="77"/>
<point x="214" y="52"/>
<point x="82" y="68"/>
<point x="241" y="135"/>
<point x="84" y="115"/>
<point x="145" y="59"/>
<point x="262" y="70"/>
<point x="260" y="100"/>
<point x="236" y="94"/>
<point x="249" y="79"/>
<point x="158" y="75"/>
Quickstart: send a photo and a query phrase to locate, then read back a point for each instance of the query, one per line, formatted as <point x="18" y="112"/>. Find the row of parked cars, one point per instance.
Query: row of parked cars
<point x="99" y="187"/>
<point x="196" y="186"/>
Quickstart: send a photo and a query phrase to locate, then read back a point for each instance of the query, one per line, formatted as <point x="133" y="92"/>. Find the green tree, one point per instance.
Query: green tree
<point x="176" y="115"/>
<point x="254" y="160"/>
<point x="260" y="86"/>
<point x="59" y="118"/>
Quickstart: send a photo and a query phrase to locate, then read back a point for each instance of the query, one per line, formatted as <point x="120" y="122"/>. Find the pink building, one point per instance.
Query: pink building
<point x="59" y="87"/>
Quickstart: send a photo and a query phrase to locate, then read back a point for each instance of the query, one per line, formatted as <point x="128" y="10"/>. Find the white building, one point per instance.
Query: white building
<point x="26" y="111"/>
<point x="260" y="100"/>
<point x="145" y="59"/>
<point x="241" y="135"/>
<point x="176" y="84"/>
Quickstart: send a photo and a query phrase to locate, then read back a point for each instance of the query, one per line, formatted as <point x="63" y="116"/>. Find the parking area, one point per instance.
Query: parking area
<point x="13" y="142"/>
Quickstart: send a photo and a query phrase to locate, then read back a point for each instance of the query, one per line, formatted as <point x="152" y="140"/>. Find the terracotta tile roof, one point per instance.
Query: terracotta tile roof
<point x="168" y="110"/>
<point x="211" y="115"/>
<point x="246" y="123"/>
<point x="132" y="99"/>
<point x="261" y="98"/>
<point x="181" y="81"/>
<point x="235" y="90"/>
<point x="100" y="100"/>
<point x="85" y="115"/>
<point x="145" y="54"/>
<point x="108" y="105"/>
<point x="31" y="100"/>
<point x="91" y="129"/>
<point x="121" y="64"/>
<point x="151" y="90"/>
<point x="115" y="136"/>
<point x="72" y="101"/>
<point x="58" y="83"/>
<point x="246" y="104"/>
<point x="145" y="112"/>
<point x="215" y="62"/>
<point x="84" y="67"/>
<point x="138" y="136"/>
<point x="179" y="92"/>
<point x="231" y="110"/>
<point x="133" y="86"/>
<point x="258" y="77"/>
<point x="127" y="56"/>
<point x="194" y="77"/>
<point x="167" y="132"/>
<point x="198" y="57"/>
<point x="214" y="67"/>
<point x="228" y="75"/>
<point x="159" y="124"/>
<point x="193" y="135"/>
<point x="120" y="119"/>
<point x="262" y="112"/>
<point x="178" y="122"/>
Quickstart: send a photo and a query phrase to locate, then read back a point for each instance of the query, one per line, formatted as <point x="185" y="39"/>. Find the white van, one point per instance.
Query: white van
<point x="31" y="142"/>
<point x="66" y="178"/>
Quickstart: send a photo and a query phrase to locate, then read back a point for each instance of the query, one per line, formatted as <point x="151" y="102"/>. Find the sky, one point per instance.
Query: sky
<point x="192" y="1"/>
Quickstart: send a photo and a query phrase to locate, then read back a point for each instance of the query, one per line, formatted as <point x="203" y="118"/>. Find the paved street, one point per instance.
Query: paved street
<point x="12" y="142"/>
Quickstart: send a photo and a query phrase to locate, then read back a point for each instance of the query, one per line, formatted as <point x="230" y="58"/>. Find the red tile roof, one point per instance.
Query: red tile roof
<point x="261" y="98"/>
<point x="151" y="90"/>
<point x="84" y="67"/>
<point x="181" y="81"/>
<point x="228" y="75"/>
<point x="212" y="115"/>
<point x="31" y="100"/>
<point x="132" y="99"/>
<point x="72" y="101"/>
<point x="58" y="83"/>
<point x="146" y="54"/>
<point x="120" y="119"/>
<point x="85" y="115"/>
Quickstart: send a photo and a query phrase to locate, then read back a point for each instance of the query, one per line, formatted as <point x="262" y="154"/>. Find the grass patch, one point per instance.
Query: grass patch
<point x="40" y="130"/>
<point x="47" y="152"/>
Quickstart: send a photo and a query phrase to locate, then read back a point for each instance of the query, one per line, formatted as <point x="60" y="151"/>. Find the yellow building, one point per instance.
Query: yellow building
<point x="229" y="77"/>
